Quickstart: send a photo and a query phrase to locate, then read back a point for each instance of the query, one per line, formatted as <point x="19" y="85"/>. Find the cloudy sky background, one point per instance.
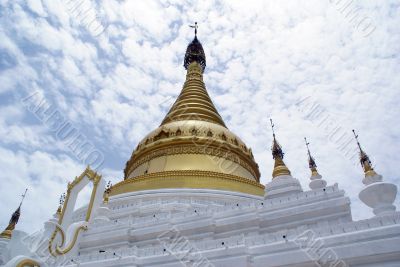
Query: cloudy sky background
<point x="264" y="59"/>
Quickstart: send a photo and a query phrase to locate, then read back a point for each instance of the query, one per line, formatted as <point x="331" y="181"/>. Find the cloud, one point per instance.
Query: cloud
<point x="44" y="174"/>
<point x="37" y="7"/>
<point x="262" y="59"/>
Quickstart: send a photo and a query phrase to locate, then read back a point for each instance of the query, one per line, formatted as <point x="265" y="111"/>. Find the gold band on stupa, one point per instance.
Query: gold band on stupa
<point x="280" y="168"/>
<point x="194" y="103"/>
<point x="191" y="179"/>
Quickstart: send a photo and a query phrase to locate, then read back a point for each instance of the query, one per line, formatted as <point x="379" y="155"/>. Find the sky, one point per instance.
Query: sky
<point x="110" y="70"/>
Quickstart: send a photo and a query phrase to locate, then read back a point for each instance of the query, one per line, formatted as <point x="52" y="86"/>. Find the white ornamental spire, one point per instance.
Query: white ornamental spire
<point x="377" y="194"/>
<point x="316" y="179"/>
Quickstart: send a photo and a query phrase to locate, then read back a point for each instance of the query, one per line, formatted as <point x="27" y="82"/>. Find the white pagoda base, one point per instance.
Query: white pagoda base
<point x="217" y="228"/>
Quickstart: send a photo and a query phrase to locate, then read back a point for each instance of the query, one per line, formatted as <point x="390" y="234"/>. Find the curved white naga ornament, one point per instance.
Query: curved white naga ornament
<point x="67" y="232"/>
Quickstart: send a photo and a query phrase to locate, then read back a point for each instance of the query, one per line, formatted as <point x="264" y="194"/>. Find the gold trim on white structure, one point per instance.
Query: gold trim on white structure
<point x="59" y="248"/>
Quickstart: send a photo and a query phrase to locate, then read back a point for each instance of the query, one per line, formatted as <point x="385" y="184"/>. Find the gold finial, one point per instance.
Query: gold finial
<point x="194" y="92"/>
<point x="7" y="233"/>
<point x="311" y="162"/>
<point x="277" y="154"/>
<point x="364" y="159"/>
<point x="195" y="26"/>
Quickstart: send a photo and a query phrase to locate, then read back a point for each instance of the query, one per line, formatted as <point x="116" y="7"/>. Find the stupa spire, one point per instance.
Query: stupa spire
<point x="192" y="148"/>
<point x="282" y="181"/>
<point x="194" y="103"/>
<point x="364" y="160"/>
<point x="311" y="162"/>
<point x="7" y="233"/>
<point x="277" y="154"/>
<point x="316" y="179"/>
<point x="377" y="194"/>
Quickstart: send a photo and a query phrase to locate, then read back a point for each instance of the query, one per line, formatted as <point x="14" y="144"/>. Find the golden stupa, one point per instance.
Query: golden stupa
<point x="192" y="148"/>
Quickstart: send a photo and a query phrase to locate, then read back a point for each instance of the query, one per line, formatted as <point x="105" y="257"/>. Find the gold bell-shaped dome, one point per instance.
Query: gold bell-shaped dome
<point x="192" y="148"/>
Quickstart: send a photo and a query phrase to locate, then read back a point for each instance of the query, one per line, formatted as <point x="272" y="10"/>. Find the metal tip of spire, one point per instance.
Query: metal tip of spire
<point x="276" y="148"/>
<point x="311" y="161"/>
<point x="356" y="137"/>
<point x="195" y="52"/>
<point x="195" y="26"/>
<point x="272" y="126"/>
<point x="308" y="149"/>
<point x="23" y="197"/>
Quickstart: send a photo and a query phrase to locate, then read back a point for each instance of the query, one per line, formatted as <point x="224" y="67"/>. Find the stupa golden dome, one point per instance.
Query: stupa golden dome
<point x="192" y="148"/>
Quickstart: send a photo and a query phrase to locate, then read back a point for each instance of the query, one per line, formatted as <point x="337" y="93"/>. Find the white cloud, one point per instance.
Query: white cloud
<point x="36" y="6"/>
<point x="44" y="174"/>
